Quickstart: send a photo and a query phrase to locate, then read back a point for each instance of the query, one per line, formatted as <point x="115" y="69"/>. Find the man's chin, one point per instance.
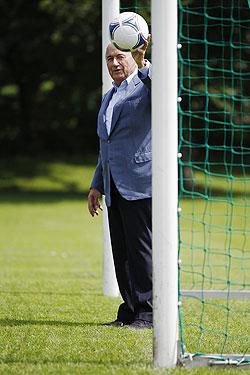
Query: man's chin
<point x="118" y="76"/>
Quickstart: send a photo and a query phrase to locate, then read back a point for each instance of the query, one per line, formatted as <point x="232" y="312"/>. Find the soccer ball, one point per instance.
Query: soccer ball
<point x="128" y="31"/>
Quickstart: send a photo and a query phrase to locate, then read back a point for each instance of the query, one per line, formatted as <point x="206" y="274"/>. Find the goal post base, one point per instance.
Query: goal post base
<point x="189" y="360"/>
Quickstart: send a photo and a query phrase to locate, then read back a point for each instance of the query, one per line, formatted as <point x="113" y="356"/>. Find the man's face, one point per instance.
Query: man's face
<point x="120" y="64"/>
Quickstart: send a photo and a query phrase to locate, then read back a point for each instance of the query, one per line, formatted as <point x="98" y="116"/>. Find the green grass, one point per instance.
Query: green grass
<point x="215" y="235"/>
<point x="51" y="301"/>
<point x="214" y="252"/>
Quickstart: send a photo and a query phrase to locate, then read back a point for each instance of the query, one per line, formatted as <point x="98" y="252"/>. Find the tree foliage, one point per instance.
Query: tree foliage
<point x="50" y="74"/>
<point x="50" y="70"/>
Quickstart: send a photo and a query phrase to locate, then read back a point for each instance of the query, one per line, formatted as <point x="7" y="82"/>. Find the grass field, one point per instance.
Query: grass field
<point x="51" y="306"/>
<point x="215" y="255"/>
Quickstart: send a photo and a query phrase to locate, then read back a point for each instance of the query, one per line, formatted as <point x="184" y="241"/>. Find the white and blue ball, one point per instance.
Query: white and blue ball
<point x="128" y="31"/>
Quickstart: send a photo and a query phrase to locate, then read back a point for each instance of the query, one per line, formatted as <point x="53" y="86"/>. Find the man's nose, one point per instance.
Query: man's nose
<point x="115" y="61"/>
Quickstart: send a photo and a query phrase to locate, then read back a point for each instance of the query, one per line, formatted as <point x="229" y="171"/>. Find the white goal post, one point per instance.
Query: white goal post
<point x="165" y="181"/>
<point x="110" y="9"/>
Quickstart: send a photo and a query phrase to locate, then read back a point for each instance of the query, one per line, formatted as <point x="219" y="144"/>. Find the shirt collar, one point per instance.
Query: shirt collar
<point x="126" y="81"/>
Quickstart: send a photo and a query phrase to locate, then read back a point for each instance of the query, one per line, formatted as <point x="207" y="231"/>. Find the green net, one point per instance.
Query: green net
<point x="214" y="170"/>
<point x="214" y="173"/>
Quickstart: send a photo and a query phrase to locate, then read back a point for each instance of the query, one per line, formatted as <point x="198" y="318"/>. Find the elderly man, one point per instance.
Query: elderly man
<point x="123" y="175"/>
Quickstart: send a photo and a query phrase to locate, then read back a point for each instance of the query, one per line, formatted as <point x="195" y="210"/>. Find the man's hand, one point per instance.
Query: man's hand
<point x="94" y="201"/>
<point x="139" y="54"/>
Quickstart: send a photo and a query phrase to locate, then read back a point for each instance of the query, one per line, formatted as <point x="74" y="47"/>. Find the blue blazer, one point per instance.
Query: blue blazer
<point x="126" y="152"/>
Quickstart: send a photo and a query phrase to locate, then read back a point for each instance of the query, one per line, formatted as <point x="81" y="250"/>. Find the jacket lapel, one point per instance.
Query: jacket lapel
<point x="102" y="130"/>
<point x="118" y="107"/>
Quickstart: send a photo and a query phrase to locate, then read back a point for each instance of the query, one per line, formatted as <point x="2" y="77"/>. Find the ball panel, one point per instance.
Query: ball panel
<point x="132" y="22"/>
<point x="125" y="37"/>
<point x="128" y="31"/>
<point x="126" y="16"/>
<point x="141" y="41"/>
<point x="120" y="49"/>
<point x="143" y="26"/>
<point x="112" y="28"/>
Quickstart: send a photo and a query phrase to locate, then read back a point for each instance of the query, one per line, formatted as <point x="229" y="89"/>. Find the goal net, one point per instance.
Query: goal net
<point x="214" y="177"/>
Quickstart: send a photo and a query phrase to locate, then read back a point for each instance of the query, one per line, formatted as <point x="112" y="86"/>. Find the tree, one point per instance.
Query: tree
<point x="50" y="74"/>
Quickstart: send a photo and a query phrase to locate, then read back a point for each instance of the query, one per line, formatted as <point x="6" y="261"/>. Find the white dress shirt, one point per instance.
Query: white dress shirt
<point x="120" y="93"/>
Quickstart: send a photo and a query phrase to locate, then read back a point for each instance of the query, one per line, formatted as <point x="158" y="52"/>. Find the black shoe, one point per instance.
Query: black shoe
<point x="115" y="323"/>
<point x="141" y="324"/>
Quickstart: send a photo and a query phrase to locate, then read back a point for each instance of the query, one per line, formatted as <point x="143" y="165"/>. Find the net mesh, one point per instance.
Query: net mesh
<point x="214" y="183"/>
<point x="214" y="171"/>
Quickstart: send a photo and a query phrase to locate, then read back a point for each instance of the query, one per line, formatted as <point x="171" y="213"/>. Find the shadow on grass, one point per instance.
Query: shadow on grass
<point x="204" y="192"/>
<point x="22" y="322"/>
<point x="19" y="196"/>
<point x="52" y="180"/>
<point x="30" y="196"/>
<point x="126" y="364"/>
<point x="85" y="293"/>
<point x="33" y="167"/>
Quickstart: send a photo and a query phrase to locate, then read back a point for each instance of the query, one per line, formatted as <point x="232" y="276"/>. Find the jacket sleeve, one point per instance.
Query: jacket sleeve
<point x="145" y="77"/>
<point x="97" y="181"/>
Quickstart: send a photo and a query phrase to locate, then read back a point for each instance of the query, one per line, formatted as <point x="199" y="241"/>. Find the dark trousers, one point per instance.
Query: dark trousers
<point x="130" y="225"/>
